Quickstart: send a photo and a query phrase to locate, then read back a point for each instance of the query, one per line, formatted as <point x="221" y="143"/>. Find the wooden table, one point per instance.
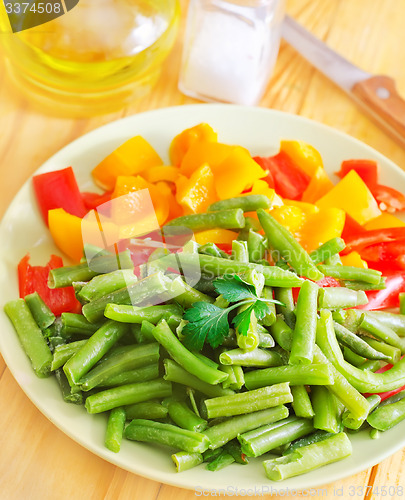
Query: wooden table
<point x="37" y="461"/>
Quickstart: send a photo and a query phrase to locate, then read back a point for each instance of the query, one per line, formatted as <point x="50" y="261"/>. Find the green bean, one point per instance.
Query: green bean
<point x="349" y="318"/>
<point x="185" y="461"/>
<point x="225" y="219"/>
<point x="222" y="460"/>
<point x="67" y="275"/>
<point x="386" y="352"/>
<point x="256" y="357"/>
<point x="265" y="339"/>
<point x="214" y="266"/>
<point x="248" y="402"/>
<point x="134" y="356"/>
<point x="76" y="324"/>
<point x="351" y="273"/>
<point x="270" y="317"/>
<point x="361" y="285"/>
<point x="286" y="246"/>
<point x="382" y="332"/>
<point x="151" y="410"/>
<point x="248" y="203"/>
<point x="285" y="296"/>
<point x="223" y="432"/>
<point x="142" y="374"/>
<point x="127" y="395"/>
<point x="240" y="251"/>
<point x="146" y="331"/>
<point x="314" y="437"/>
<point x="309" y="457"/>
<point x="175" y="373"/>
<point x="351" y="357"/>
<point x="355" y="423"/>
<point x="167" y="434"/>
<point x="256" y="244"/>
<point x="325" y="407"/>
<point x="186" y="295"/>
<point x="362" y="380"/>
<point x="303" y="340"/>
<point x="41" y="313"/>
<point x="144" y="290"/>
<point x="314" y="374"/>
<point x="327" y="250"/>
<point x="372" y="365"/>
<point x="234" y="449"/>
<point x="236" y="377"/>
<point x="301" y="402"/>
<point x="70" y="394"/>
<point x="134" y="314"/>
<point x="250" y="340"/>
<point x="184" y="357"/>
<point x="394" y="321"/>
<point x="30" y="336"/>
<point x="212" y="249"/>
<point x="333" y="260"/>
<point x="282" y="264"/>
<point x="185" y="418"/>
<point x="106" y="283"/>
<point x="115" y="429"/>
<point x="93" y="350"/>
<point x="282" y="333"/>
<point x="401" y="297"/>
<point x="374" y="433"/>
<point x="210" y="455"/>
<point x="358" y="344"/>
<point x="64" y="352"/>
<point x="339" y="298"/>
<point x="385" y="417"/>
<point x="273" y="438"/>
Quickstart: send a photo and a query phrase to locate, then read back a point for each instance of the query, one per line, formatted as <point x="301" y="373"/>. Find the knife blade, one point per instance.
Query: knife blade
<point x="376" y="94"/>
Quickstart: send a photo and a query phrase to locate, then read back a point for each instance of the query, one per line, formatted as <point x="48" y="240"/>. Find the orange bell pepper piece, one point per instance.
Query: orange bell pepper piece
<point x="204" y="152"/>
<point x="305" y="156"/>
<point x="318" y="186"/>
<point x="322" y="226"/>
<point x="353" y="196"/>
<point x="383" y="221"/>
<point x="159" y="173"/>
<point x="353" y="259"/>
<point x="198" y="192"/>
<point x="217" y="236"/>
<point x="131" y="158"/>
<point x="291" y="217"/>
<point x="66" y="231"/>
<point x="182" y="142"/>
<point x="175" y="210"/>
<point x="236" y="173"/>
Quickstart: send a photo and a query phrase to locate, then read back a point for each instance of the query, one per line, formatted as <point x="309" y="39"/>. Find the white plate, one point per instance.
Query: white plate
<point x="22" y="229"/>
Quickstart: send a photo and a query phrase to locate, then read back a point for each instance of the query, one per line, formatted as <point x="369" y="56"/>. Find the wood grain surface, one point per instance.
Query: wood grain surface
<point x="37" y="461"/>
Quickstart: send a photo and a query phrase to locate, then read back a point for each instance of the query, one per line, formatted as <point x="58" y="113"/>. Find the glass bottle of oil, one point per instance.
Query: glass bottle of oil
<point x="94" y="58"/>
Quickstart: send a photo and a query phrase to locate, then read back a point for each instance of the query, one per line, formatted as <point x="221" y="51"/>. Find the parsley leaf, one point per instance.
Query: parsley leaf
<point x="261" y="308"/>
<point x="234" y="289"/>
<point x="242" y="320"/>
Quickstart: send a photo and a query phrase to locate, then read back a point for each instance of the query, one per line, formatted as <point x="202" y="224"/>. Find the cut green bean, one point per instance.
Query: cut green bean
<point x="150" y="410"/>
<point x="351" y="273"/>
<point x="134" y="314"/>
<point x="355" y="423"/>
<point x="70" y="394"/>
<point x="382" y="332"/>
<point x="41" y="313"/>
<point x="93" y="350"/>
<point x="185" y="461"/>
<point x="30" y="336"/>
<point x="186" y="295"/>
<point x="362" y="285"/>
<point x="333" y="260"/>
<point x="234" y="448"/>
<point x="340" y="298"/>
<point x="386" y="352"/>
<point x="185" y="418"/>
<point x="127" y="395"/>
<point x="143" y="374"/>
<point x="226" y="219"/>
<point x="63" y="353"/>
<point x="240" y="251"/>
<point x="115" y="429"/>
<point x="282" y="333"/>
<point x="303" y="340"/>
<point x="222" y="433"/>
<point x="358" y="344"/>
<point x="248" y="402"/>
<point x="327" y="250"/>
<point x="77" y="325"/>
<point x="286" y="246"/>
<point x="257" y="246"/>
<point x="301" y="402"/>
<point x="257" y="357"/>
<point x="314" y="437"/>
<point x="167" y="434"/>
<point x="352" y="358"/>
<point x="309" y="457"/>
<point x="250" y="340"/>
<point x="222" y="460"/>
<point x="394" y="321"/>
<point x="285" y="296"/>
<point x="372" y="365"/>
<point x="106" y="283"/>
<point x="248" y="203"/>
<point x="314" y="374"/>
<point x="265" y="339"/>
<point x="386" y="417"/>
<point x="327" y="416"/>
<point x="212" y="249"/>
<point x="270" y="317"/>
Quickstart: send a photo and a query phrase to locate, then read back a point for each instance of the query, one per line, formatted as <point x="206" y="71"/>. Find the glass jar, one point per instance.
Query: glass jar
<point x="230" y="49"/>
<point x="94" y="58"/>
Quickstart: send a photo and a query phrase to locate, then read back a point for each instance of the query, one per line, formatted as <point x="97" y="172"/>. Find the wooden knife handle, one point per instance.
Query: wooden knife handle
<point x="380" y="96"/>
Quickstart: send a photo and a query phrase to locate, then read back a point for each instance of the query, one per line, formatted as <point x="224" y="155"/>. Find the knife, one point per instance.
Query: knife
<point x="374" y="93"/>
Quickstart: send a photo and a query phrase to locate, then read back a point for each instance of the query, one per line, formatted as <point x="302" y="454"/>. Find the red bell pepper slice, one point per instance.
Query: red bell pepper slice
<point x="263" y="162"/>
<point x="388" y="394"/>
<point x="384" y="252"/>
<point x="372" y="237"/>
<point x="352" y="229"/>
<point x="93" y="200"/>
<point x="390" y="197"/>
<point x="388" y="297"/>
<point x="366" y="169"/>
<point x="58" y="189"/>
<point x="35" y="279"/>
<point x="289" y="180"/>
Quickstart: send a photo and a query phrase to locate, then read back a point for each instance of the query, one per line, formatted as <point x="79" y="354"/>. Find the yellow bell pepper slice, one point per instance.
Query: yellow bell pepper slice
<point x="328" y="223"/>
<point x="305" y="156"/>
<point x="204" y="152"/>
<point x="236" y="173"/>
<point x="161" y="173"/>
<point x="182" y="142"/>
<point x="318" y="186"/>
<point x="291" y="217"/>
<point x="131" y="158"/>
<point x="217" y="236"/>
<point x="175" y="210"/>
<point x="383" y="221"/>
<point x="353" y="196"/>
<point x="197" y="193"/>
<point x="353" y="259"/>
<point x="66" y="231"/>
<point x="307" y="208"/>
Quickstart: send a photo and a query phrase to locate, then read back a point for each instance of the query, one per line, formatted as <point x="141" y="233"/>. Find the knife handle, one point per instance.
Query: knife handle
<point x="380" y="96"/>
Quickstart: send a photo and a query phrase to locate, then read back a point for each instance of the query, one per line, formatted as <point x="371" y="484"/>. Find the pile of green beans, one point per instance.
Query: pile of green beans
<point x="291" y="386"/>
